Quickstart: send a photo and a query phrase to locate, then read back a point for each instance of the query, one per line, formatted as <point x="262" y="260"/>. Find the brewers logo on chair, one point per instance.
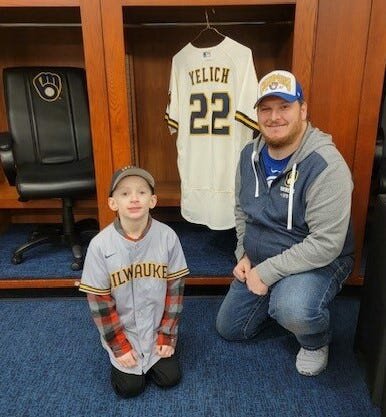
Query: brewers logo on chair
<point x="48" y="85"/>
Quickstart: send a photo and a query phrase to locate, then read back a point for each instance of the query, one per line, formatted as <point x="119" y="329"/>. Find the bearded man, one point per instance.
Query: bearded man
<point x="293" y="209"/>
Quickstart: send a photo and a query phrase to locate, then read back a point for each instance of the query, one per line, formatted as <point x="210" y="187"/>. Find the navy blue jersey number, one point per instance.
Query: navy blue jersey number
<point x="219" y="109"/>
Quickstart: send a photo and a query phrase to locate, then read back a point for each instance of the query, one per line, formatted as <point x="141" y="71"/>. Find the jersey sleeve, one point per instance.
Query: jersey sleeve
<point x="106" y="318"/>
<point x="171" y="114"/>
<point x="95" y="277"/>
<point x="245" y="106"/>
<point x="177" y="267"/>
<point x="167" y="333"/>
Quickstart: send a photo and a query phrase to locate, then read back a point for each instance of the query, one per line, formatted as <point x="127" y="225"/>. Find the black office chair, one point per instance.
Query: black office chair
<point x="47" y="152"/>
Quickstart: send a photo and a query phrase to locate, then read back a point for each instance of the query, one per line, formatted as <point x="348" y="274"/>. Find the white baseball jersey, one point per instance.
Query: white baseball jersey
<point x="211" y="91"/>
<point x="135" y="273"/>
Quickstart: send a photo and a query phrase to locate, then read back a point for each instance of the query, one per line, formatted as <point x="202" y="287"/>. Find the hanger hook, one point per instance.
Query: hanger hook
<point x="207" y="19"/>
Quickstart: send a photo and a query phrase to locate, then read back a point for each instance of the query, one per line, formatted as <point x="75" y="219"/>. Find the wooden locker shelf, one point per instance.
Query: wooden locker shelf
<point x="25" y="283"/>
<point x="9" y="200"/>
<point x="112" y="40"/>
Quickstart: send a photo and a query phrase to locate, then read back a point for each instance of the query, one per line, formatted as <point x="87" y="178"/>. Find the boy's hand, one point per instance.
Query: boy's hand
<point x="129" y="359"/>
<point x="164" y="351"/>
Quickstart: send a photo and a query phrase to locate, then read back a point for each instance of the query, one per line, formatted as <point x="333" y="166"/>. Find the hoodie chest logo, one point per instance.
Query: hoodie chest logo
<point x="289" y="181"/>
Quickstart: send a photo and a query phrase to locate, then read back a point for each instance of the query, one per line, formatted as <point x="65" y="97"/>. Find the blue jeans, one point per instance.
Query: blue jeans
<point x="299" y="303"/>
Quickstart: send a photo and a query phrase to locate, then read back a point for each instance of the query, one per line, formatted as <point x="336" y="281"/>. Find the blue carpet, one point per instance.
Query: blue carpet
<point x="52" y="365"/>
<point x="207" y="252"/>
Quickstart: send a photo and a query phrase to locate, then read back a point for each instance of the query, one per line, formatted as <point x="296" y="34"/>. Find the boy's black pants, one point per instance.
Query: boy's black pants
<point x="165" y="373"/>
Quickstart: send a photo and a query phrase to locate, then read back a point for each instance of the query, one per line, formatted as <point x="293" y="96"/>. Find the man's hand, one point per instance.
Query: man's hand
<point x="254" y="283"/>
<point x="129" y="359"/>
<point x="242" y="268"/>
<point x="164" y="351"/>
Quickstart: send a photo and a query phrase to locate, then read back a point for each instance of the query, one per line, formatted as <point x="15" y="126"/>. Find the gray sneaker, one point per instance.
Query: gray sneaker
<point x="312" y="362"/>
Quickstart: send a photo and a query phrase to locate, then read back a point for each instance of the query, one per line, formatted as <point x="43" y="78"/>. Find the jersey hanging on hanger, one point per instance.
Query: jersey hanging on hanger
<point x="212" y="93"/>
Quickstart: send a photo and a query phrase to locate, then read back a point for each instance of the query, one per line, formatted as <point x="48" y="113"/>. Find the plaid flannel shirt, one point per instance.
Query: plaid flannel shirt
<point x="107" y="320"/>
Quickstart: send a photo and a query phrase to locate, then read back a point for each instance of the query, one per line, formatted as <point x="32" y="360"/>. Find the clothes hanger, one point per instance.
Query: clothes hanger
<point x="213" y="35"/>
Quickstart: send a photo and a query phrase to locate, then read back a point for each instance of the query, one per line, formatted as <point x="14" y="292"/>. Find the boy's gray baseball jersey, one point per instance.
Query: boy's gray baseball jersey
<point x="135" y="273"/>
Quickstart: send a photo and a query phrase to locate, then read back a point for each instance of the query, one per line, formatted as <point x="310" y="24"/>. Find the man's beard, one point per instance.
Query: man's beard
<point x="291" y="138"/>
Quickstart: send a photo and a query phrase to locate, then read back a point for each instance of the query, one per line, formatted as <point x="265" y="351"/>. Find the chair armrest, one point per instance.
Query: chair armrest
<point x="6" y="157"/>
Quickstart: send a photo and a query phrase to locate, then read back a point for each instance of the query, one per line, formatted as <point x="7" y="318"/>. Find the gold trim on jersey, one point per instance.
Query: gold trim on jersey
<point x="171" y="122"/>
<point x="93" y="290"/>
<point x="178" y="274"/>
<point x="245" y="120"/>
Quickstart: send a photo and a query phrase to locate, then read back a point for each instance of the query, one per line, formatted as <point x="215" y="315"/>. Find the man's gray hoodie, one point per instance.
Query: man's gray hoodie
<point x="294" y="226"/>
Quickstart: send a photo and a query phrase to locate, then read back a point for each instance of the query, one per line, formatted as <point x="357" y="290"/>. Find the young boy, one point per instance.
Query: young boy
<point x="133" y="276"/>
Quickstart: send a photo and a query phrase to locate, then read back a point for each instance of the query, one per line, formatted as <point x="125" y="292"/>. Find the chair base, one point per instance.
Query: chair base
<point x="83" y="232"/>
<point x="70" y="234"/>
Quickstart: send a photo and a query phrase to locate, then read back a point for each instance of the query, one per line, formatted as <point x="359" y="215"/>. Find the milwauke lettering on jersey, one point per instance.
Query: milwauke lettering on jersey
<point x="134" y="271"/>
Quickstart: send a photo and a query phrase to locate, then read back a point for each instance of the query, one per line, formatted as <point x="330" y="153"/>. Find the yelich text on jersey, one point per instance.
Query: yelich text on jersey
<point x="209" y="74"/>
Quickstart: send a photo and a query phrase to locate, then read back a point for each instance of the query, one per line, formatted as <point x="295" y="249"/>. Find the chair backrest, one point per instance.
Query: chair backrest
<point x="48" y="116"/>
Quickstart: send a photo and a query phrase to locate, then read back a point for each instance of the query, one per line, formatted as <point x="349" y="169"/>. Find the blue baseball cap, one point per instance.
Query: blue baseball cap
<point x="281" y="84"/>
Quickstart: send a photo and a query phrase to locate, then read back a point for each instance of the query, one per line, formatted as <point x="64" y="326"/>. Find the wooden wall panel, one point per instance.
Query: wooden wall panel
<point x="38" y="46"/>
<point x="209" y="3"/>
<point x="34" y="46"/>
<point x="304" y="43"/>
<point x="119" y="107"/>
<point x="43" y="40"/>
<point x="340" y="53"/>
<point x="152" y="50"/>
<point x="99" y="104"/>
<point x="38" y="3"/>
<point x="336" y="49"/>
<point x="138" y="61"/>
<point x="346" y="86"/>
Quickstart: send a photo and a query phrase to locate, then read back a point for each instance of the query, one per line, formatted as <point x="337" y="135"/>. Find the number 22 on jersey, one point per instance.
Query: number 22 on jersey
<point x="209" y="115"/>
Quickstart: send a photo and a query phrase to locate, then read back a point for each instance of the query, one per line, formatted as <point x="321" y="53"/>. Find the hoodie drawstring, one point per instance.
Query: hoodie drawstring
<point x="254" y="170"/>
<point x="291" y="189"/>
<point x="291" y="197"/>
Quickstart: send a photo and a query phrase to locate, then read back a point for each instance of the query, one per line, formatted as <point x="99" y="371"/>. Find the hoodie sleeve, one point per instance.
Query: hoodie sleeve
<point x="328" y="211"/>
<point x="240" y="218"/>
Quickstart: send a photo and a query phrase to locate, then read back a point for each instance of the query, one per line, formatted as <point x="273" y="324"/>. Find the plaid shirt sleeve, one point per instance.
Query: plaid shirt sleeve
<point x="106" y="318"/>
<point x="167" y="332"/>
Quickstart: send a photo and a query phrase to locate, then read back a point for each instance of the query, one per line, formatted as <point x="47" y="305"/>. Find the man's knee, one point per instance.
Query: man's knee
<point x="298" y="318"/>
<point x="235" y="331"/>
<point x="223" y="331"/>
<point x="226" y="329"/>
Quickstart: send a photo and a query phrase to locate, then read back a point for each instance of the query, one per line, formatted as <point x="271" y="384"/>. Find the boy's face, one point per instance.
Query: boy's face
<point x="132" y="198"/>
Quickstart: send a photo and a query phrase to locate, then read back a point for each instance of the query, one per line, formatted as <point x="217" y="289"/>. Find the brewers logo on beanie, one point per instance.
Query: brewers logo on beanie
<point x="281" y="84"/>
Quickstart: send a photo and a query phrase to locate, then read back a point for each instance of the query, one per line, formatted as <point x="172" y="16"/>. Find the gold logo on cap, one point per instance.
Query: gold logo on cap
<point x="275" y="81"/>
